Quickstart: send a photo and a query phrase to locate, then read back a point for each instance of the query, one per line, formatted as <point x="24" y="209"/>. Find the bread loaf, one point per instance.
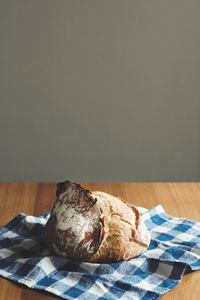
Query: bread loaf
<point x="94" y="226"/>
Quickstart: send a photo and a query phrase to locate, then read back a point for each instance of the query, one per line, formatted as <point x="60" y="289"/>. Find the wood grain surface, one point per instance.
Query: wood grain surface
<point x="178" y="199"/>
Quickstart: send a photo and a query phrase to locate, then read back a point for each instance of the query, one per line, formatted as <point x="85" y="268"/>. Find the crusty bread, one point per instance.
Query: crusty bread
<point x="125" y="236"/>
<point x="94" y="226"/>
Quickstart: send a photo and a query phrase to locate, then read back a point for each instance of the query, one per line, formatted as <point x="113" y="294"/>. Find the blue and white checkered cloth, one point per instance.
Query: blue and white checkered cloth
<point x="174" y="249"/>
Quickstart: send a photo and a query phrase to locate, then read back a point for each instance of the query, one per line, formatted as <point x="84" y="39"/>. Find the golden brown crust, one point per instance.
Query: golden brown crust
<point x="126" y="236"/>
<point x="94" y="226"/>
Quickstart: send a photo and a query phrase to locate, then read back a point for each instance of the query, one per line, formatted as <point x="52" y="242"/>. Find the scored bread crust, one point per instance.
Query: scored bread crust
<point x="94" y="226"/>
<point x="75" y="227"/>
<point x="125" y="236"/>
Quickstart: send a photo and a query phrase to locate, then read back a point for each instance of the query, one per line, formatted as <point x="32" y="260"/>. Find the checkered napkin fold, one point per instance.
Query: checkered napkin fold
<point x="174" y="249"/>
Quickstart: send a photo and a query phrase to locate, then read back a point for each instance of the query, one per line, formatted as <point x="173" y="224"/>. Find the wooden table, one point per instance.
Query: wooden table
<point x="178" y="199"/>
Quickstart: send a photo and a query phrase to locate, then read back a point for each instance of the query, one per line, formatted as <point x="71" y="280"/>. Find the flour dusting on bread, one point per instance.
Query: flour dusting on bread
<point x="94" y="226"/>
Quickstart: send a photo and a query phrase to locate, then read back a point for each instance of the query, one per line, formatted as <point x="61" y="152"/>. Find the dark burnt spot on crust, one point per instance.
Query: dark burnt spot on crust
<point x="84" y="205"/>
<point x="63" y="186"/>
<point x="49" y="232"/>
<point x="102" y="229"/>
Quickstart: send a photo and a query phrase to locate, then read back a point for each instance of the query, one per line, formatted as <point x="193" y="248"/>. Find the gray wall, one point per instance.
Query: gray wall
<point x="102" y="90"/>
